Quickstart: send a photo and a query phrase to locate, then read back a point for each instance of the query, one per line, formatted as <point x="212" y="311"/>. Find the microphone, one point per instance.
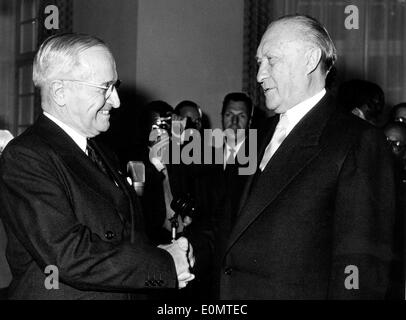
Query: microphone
<point x="136" y="169"/>
<point x="5" y="138"/>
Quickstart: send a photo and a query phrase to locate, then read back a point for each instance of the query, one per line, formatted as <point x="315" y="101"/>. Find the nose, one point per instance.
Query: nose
<point x="263" y="72"/>
<point x="234" y="120"/>
<point x="114" y="100"/>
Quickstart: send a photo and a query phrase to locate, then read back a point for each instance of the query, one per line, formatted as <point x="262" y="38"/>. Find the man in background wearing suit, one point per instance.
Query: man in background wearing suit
<point x="317" y="219"/>
<point x="236" y="115"/>
<point x="64" y="203"/>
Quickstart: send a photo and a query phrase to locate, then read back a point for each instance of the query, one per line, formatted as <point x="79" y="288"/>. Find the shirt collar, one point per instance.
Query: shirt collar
<point x="227" y="151"/>
<point x="237" y="147"/>
<point x="295" y="114"/>
<point x="80" y="140"/>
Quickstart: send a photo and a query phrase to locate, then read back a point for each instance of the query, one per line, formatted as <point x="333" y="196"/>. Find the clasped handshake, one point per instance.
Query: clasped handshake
<point x="182" y="253"/>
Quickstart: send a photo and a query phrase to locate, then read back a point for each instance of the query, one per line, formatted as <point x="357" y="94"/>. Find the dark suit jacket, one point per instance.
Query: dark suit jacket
<point x="234" y="182"/>
<point x="325" y="201"/>
<point x="60" y="209"/>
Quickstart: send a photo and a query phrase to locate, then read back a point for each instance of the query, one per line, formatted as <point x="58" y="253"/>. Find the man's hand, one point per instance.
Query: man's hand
<point x="182" y="224"/>
<point x="182" y="254"/>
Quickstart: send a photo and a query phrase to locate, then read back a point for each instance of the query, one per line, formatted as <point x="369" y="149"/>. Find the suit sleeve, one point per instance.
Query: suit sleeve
<point x="364" y="222"/>
<point x="37" y="207"/>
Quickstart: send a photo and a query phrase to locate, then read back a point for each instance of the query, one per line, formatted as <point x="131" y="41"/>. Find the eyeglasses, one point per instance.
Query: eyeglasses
<point x="108" y="89"/>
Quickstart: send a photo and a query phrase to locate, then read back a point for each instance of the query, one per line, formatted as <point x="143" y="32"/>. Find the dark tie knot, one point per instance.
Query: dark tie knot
<point x="93" y="154"/>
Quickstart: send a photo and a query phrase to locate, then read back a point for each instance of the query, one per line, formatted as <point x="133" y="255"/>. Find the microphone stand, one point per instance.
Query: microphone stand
<point x="174" y="226"/>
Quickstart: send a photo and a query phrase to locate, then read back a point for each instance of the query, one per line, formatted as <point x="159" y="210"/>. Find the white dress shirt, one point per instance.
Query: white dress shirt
<point x="287" y="122"/>
<point x="295" y="114"/>
<point x="227" y="151"/>
<point x="80" y="140"/>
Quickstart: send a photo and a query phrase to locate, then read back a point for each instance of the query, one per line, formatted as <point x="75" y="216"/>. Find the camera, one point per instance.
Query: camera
<point x="163" y="122"/>
<point x="184" y="206"/>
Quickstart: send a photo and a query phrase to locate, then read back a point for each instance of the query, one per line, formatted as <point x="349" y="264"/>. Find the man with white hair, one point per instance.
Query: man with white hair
<point x="317" y="219"/>
<point x="74" y="225"/>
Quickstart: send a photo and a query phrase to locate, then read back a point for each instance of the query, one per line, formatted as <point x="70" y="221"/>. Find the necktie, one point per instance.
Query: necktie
<point x="96" y="158"/>
<point x="231" y="156"/>
<point x="277" y="139"/>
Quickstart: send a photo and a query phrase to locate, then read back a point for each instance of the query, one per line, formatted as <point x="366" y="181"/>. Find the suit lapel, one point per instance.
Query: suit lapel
<point x="271" y="124"/>
<point x="78" y="162"/>
<point x="135" y="219"/>
<point x="300" y="147"/>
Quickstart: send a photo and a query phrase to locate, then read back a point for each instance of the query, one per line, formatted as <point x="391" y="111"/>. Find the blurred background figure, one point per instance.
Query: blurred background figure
<point x="160" y="181"/>
<point x="5" y="274"/>
<point x="236" y="114"/>
<point x="177" y="188"/>
<point x="396" y="135"/>
<point x="363" y="98"/>
<point x="190" y="110"/>
<point x="398" y="112"/>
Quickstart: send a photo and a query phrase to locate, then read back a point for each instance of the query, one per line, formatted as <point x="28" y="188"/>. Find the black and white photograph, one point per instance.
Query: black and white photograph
<point x="198" y="156"/>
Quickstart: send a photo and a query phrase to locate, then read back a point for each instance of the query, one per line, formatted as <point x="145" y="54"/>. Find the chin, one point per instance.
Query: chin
<point x="272" y="105"/>
<point x="101" y="129"/>
<point x="277" y="108"/>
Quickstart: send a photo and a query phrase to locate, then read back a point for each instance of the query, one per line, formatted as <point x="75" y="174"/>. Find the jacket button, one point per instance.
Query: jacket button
<point x="109" y="235"/>
<point x="228" y="271"/>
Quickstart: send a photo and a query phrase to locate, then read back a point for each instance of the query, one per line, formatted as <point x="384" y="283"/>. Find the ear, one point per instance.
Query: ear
<point x="313" y="56"/>
<point x="57" y="92"/>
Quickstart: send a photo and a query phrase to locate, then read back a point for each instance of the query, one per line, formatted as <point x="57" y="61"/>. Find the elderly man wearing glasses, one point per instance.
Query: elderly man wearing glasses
<point x="74" y="224"/>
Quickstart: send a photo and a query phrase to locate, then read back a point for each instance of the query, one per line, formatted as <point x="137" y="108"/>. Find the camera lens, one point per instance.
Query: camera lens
<point x="184" y="206"/>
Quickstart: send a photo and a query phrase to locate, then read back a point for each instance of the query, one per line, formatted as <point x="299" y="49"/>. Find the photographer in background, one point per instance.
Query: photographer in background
<point x="174" y="189"/>
<point x="192" y="112"/>
<point x="164" y="182"/>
